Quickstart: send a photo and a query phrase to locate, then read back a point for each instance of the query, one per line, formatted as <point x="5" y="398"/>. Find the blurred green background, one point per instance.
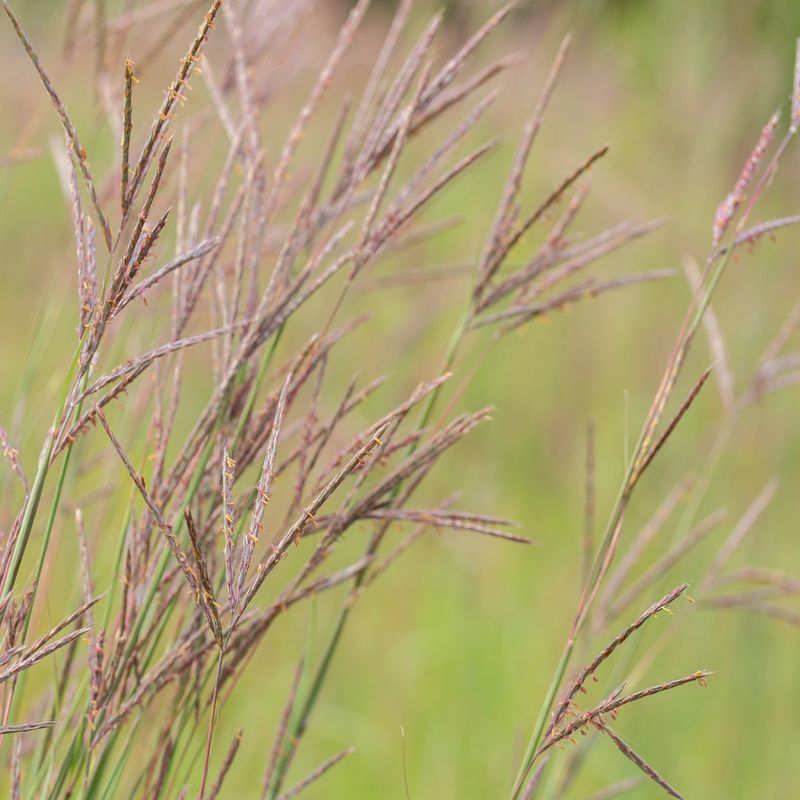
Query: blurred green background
<point x="443" y="668"/>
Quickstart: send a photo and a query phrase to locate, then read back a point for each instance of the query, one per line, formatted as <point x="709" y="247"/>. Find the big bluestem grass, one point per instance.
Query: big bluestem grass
<point x="204" y="562"/>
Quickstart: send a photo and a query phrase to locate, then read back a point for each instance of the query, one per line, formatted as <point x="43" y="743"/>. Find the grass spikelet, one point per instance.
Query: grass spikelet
<point x="205" y="591"/>
<point x="253" y="534"/>
<point x="127" y="130"/>
<point x="730" y="205"/>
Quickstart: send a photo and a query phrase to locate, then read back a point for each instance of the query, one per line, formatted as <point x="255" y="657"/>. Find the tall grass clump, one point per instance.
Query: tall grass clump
<point x="247" y="475"/>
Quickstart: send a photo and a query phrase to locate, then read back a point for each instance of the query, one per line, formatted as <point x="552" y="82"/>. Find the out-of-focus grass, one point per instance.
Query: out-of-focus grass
<point x="457" y="644"/>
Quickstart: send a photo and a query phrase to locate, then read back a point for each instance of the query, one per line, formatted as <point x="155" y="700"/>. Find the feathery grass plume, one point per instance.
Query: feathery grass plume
<point x="554" y="264"/>
<point x="628" y="560"/>
<point x="346" y="35"/>
<point x="753" y="234"/>
<point x="279" y="547"/>
<point x="173" y="96"/>
<point x="85" y="250"/>
<point x="669" y="428"/>
<point x="218" y="99"/>
<point x="378" y="141"/>
<point x="16" y="769"/>
<point x="127" y="130"/>
<point x="25" y="727"/>
<point x="589" y="670"/>
<point x="560" y="729"/>
<point x="359" y="124"/>
<point x="421" y="461"/>
<point x="633" y="756"/>
<point x="645" y="447"/>
<point x="228" y="521"/>
<point x="205" y="590"/>
<point x="507" y="210"/>
<point x="516" y="315"/>
<point x="505" y="243"/>
<point x="95" y="640"/>
<point x="730" y="205"/>
<point x="396" y="133"/>
<point x="452" y="520"/>
<point x="34" y="654"/>
<point x="199" y="251"/>
<point x="314" y="776"/>
<point x="660" y="567"/>
<point x="69" y="129"/>
<point x="136" y="365"/>
<point x="612" y="704"/>
<point x="192" y="579"/>
<point x="46" y="638"/>
<point x="262" y="494"/>
<point x="243" y="83"/>
<point x="133" y="243"/>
